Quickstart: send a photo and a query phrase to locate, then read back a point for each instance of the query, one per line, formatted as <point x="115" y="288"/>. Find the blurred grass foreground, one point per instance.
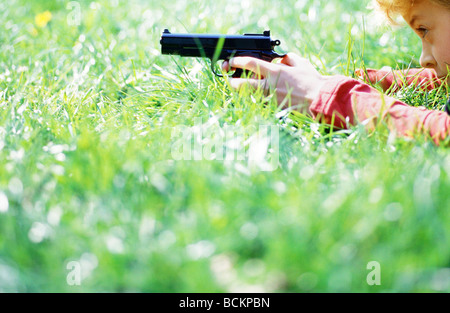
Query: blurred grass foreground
<point x="98" y="195"/>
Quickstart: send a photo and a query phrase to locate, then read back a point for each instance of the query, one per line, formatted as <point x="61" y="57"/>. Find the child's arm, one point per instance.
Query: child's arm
<point x="350" y="101"/>
<point x="339" y="100"/>
<point x="396" y="79"/>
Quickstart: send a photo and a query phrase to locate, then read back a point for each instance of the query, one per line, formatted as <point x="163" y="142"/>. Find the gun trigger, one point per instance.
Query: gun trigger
<point x="214" y="71"/>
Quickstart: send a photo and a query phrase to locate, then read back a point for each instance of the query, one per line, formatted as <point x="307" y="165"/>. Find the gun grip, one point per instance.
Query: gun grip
<point x="238" y="73"/>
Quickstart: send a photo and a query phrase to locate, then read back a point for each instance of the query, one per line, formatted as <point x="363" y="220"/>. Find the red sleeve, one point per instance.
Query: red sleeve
<point x="351" y="101"/>
<point x="424" y="78"/>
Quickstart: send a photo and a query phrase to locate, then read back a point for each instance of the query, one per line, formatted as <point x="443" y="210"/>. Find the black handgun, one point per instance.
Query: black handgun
<point x="220" y="47"/>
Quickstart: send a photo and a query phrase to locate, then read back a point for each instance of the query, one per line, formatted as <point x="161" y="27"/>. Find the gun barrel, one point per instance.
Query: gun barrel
<point x="201" y="45"/>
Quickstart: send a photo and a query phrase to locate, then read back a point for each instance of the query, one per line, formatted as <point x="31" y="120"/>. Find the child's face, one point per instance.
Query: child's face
<point x="432" y="23"/>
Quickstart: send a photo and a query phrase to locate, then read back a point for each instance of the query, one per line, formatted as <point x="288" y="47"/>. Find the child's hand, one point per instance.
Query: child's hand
<point x="293" y="77"/>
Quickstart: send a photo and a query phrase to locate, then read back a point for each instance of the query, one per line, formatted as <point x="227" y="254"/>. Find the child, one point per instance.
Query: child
<point x="347" y="101"/>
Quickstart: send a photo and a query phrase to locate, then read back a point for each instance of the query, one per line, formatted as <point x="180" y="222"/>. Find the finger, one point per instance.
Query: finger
<point x="254" y="65"/>
<point x="240" y="83"/>
<point x="293" y="59"/>
<point x="226" y="66"/>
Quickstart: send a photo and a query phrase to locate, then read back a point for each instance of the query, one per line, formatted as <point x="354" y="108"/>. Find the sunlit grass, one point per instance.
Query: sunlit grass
<point x="87" y="174"/>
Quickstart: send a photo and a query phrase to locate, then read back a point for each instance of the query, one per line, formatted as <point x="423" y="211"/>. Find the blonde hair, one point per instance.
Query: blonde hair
<point x="392" y="8"/>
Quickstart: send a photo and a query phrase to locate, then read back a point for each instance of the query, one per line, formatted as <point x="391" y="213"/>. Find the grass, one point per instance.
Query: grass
<point x="88" y="174"/>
